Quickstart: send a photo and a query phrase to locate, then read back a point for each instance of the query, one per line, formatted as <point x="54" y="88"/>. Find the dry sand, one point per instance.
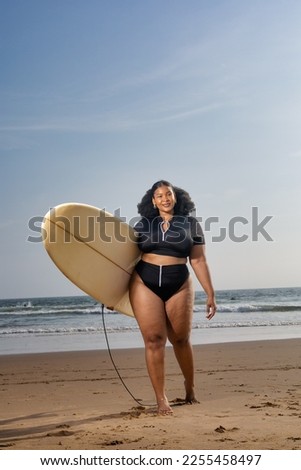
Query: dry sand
<point x="249" y="393"/>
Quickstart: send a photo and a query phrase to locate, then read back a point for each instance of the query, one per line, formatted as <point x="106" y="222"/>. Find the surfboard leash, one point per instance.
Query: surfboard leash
<point x="114" y="364"/>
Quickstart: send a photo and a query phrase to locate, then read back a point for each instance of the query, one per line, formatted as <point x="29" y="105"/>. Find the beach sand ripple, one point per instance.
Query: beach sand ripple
<point x="249" y="394"/>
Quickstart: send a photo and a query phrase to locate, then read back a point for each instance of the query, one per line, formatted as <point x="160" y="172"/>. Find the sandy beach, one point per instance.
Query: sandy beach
<point x="249" y="393"/>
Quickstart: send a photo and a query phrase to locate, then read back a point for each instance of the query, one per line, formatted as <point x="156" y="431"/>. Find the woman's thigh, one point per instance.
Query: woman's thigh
<point x="149" y="310"/>
<point x="179" y="310"/>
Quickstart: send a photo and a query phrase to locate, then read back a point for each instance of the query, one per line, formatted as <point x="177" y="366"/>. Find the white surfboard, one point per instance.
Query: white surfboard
<point x="95" y="250"/>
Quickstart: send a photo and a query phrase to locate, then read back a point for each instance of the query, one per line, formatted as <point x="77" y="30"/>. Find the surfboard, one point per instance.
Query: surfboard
<point x="93" y="249"/>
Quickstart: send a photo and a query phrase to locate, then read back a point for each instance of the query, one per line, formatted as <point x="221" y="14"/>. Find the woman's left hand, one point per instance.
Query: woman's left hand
<point x="211" y="308"/>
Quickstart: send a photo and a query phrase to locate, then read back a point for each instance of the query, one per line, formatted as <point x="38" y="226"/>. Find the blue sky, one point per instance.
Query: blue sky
<point x="99" y="99"/>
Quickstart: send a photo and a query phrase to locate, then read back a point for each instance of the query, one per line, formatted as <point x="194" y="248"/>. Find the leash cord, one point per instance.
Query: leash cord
<point x="113" y="362"/>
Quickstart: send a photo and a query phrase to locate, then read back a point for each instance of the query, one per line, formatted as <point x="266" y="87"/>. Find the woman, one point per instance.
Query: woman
<point x="161" y="291"/>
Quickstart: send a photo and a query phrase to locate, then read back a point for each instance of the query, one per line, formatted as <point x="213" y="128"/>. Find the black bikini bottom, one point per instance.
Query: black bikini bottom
<point x="164" y="281"/>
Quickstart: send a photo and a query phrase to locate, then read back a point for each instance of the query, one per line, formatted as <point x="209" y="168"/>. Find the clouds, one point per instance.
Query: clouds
<point x="228" y="62"/>
<point x="151" y="98"/>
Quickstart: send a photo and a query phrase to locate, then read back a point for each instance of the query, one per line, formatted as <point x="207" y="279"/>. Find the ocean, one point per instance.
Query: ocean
<point x="75" y="323"/>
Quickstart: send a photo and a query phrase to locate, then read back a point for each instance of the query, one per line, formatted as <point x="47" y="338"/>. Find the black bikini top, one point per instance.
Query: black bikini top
<point x="182" y="233"/>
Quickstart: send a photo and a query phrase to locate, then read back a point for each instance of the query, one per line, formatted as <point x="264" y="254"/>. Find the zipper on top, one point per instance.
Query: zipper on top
<point x="163" y="239"/>
<point x="162" y="229"/>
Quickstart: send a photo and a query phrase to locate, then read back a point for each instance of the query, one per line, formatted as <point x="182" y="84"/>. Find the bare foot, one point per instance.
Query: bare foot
<point x="190" y="398"/>
<point x="164" y="408"/>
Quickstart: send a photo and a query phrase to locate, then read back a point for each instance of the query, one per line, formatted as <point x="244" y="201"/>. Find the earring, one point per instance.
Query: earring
<point x="155" y="207"/>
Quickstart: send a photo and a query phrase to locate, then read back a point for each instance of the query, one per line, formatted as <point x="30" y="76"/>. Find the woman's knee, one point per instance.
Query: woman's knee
<point x="155" y="341"/>
<point x="180" y="341"/>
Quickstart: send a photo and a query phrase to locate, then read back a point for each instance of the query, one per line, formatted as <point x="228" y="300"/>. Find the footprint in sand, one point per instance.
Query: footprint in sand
<point x="60" y="433"/>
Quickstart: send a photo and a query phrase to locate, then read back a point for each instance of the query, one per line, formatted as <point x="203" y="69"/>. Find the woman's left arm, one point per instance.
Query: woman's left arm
<point x="200" y="267"/>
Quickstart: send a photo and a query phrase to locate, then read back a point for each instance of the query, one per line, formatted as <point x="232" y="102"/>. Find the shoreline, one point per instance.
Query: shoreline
<point x="249" y="393"/>
<point x="28" y="344"/>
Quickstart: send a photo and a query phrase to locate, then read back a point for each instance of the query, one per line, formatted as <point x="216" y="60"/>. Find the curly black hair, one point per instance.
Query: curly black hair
<point x="184" y="204"/>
